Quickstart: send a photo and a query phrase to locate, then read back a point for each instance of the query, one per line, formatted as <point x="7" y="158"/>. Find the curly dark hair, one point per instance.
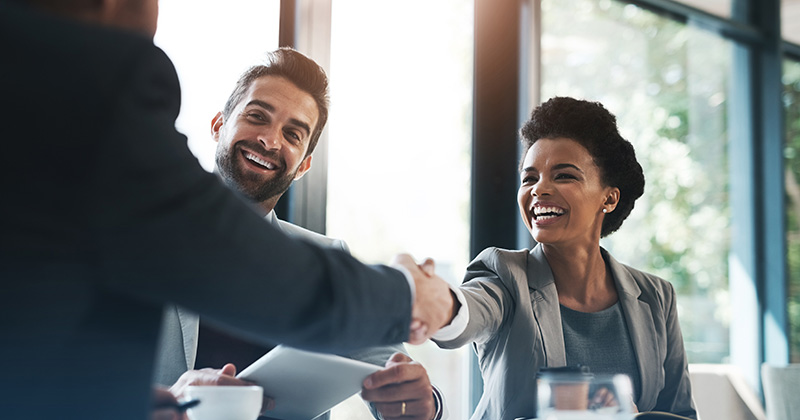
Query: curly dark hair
<point x="591" y="125"/>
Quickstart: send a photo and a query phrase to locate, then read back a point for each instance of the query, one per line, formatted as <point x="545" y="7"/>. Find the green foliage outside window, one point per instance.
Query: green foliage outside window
<point x="791" y="100"/>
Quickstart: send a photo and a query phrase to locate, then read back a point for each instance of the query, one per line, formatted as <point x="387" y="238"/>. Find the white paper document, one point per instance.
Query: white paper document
<point x="306" y="384"/>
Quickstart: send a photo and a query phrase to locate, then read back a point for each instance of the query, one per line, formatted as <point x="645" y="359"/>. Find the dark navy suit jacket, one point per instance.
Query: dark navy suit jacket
<point x="105" y="216"/>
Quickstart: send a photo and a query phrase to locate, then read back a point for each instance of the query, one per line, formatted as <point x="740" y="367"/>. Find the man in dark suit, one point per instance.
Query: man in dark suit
<point x="106" y="216"/>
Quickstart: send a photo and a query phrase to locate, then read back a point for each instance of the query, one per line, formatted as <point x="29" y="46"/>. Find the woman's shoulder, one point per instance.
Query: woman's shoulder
<point x="641" y="283"/>
<point x="500" y="257"/>
<point x="508" y="265"/>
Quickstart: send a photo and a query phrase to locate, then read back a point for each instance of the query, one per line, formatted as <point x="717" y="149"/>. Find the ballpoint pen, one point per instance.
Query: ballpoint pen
<point x="179" y="407"/>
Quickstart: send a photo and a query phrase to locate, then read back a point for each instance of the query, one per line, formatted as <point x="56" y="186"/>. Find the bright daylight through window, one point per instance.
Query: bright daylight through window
<point x="210" y="50"/>
<point x="400" y="138"/>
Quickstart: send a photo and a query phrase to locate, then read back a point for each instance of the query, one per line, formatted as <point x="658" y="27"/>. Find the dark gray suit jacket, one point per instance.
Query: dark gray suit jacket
<point x="515" y="327"/>
<point x="107" y="216"/>
<point x="179" y="331"/>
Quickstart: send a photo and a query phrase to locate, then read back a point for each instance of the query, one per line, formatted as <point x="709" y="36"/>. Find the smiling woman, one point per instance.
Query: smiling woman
<point x="568" y="300"/>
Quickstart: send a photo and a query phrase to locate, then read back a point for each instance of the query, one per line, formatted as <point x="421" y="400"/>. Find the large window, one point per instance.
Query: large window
<point x="210" y="49"/>
<point x="791" y="100"/>
<point x="666" y="83"/>
<point x="399" y="145"/>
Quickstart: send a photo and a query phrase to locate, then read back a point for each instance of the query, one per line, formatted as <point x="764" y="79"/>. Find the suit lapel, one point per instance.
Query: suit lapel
<point x="641" y="330"/>
<point x="546" y="312"/>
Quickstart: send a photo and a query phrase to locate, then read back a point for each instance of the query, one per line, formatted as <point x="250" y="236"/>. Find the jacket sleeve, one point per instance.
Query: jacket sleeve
<point x="167" y="231"/>
<point x="488" y="300"/>
<point x="676" y="396"/>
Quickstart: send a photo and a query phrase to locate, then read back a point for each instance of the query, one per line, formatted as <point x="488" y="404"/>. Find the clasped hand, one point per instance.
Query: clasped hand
<point x="434" y="302"/>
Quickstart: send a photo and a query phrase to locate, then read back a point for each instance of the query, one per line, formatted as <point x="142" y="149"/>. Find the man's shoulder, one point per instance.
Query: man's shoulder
<point x="311" y="236"/>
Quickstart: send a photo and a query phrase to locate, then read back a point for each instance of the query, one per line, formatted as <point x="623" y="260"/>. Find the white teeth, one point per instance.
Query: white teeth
<point x="546" y="217"/>
<point x="259" y="161"/>
<point x="537" y="211"/>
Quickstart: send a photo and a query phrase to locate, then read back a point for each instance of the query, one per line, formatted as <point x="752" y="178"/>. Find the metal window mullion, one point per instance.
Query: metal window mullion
<point x="770" y="188"/>
<point x="735" y="29"/>
<point x="757" y="78"/>
<point x="791" y="50"/>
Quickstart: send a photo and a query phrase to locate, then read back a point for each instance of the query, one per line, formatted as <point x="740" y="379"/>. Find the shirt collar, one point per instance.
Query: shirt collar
<point x="271" y="218"/>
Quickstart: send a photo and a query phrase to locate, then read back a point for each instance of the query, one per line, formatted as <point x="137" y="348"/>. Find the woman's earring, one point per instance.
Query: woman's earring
<point x="605" y="210"/>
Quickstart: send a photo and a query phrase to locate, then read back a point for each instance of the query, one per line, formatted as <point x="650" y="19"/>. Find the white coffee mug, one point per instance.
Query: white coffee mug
<point x="225" y="402"/>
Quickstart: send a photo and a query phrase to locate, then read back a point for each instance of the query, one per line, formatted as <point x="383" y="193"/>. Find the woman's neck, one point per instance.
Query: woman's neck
<point x="581" y="277"/>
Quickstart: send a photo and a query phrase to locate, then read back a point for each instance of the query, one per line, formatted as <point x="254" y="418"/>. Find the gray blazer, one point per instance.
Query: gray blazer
<point x="178" y="341"/>
<point x="515" y="327"/>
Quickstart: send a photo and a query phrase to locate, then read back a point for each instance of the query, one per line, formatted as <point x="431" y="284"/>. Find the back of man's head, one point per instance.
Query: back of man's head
<point x="61" y="7"/>
<point x="136" y="15"/>
<point x="295" y="67"/>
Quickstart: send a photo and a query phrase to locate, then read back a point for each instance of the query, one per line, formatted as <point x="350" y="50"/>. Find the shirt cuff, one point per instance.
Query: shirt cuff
<point x="459" y="323"/>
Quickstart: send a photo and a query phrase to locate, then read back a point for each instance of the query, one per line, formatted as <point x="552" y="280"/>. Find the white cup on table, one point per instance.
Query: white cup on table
<point x="225" y="402"/>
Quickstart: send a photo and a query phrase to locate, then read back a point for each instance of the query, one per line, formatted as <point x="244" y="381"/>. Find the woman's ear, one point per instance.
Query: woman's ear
<point x="612" y="200"/>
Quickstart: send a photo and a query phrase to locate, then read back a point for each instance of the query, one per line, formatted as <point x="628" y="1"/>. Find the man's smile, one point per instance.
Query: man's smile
<point x="260" y="162"/>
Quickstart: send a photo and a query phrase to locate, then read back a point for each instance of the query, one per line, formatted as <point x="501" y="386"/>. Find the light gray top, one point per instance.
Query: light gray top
<point x="600" y="340"/>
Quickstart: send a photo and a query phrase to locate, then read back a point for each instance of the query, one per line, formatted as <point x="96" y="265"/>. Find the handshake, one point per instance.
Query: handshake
<point x="435" y="305"/>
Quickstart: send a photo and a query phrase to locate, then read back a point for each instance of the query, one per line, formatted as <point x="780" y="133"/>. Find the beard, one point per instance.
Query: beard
<point x="249" y="183"/>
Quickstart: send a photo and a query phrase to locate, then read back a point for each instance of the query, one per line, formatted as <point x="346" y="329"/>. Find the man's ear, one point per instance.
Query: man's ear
<point x="305" y="165"/>
<point x="216" y="126"/>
